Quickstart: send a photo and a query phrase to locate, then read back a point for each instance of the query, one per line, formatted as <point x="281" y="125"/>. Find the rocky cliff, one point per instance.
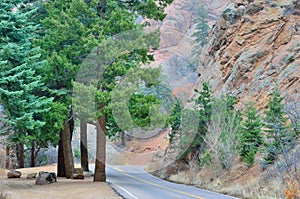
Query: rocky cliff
<point x="175" y="51"/>
<point x="252" y="47"/>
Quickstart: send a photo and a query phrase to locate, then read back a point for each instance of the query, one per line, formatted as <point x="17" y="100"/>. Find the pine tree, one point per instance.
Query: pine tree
<point x="204" y="105"/>
<point x="280" y="137"/>
<point x="20" y="84"/>
<point x="251" y="135"/>
<point x="174" y="121"/>
<point x="203" y="111"/>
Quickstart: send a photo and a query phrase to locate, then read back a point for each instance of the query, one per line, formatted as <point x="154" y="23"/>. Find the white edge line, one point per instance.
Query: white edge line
<point x="123" y="189"/>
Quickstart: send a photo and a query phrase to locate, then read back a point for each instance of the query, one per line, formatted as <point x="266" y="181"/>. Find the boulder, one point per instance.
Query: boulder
<point x="13" y="174"/>
<point x="31" y="175"/>
<point x="45" y="178"/>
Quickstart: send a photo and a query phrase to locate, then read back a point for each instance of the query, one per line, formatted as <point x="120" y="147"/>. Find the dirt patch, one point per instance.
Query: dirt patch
<point x="64" y="188"/>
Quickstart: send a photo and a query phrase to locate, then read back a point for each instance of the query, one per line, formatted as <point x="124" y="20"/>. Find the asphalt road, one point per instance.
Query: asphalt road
<point x="132" y="182"/>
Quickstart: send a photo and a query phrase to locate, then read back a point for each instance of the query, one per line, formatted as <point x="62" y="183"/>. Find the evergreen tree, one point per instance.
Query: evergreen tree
<point x="204" y="110"/>
<point x="280" y="137"/>
<point x="204" y="105"/>
<point x="174" y="121"/>
<point x="251" y="135"/>
<point x="20" y="85"/>
<point x="72" y="30"/>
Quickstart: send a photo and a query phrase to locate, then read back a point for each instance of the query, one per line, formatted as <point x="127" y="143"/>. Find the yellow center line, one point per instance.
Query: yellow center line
<point x="156" y="185"/>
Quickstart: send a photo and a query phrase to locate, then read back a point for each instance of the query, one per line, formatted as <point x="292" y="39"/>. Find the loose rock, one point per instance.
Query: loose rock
<point x="31" y="175"/>
<point x="13" y="174"/>
<point x="45" y="178"/>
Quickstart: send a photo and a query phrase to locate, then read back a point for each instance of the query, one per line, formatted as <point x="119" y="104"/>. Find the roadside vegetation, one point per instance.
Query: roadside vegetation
<point x="265" y="141"/>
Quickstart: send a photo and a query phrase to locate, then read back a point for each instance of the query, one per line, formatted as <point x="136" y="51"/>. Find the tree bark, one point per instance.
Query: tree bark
<point x="100" y="175"/>
<point x="20" y="149"/>
<point x="123" y="144"/>
<point x="61" y="168"/>
<point x="32" y="162"/>
<point x="67" y="151"/>
<point x="7" y="160"/>
<point x="83" y="145"/>
<point x="65" y="162"/>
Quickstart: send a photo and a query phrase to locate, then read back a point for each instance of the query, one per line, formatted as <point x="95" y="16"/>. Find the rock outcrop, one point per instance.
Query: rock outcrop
<point x="175" y="53"/>
<point x="252" y="48"/>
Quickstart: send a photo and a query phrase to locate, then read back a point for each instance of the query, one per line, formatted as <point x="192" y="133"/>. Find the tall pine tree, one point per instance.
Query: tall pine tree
<point x="72" y="29"/>
<point x="20" y="84"/>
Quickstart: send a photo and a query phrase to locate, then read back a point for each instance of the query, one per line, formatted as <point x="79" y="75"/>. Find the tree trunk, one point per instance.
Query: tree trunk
<point x="20" y="149"/>
<point x="61" y="168"/>
<point x="7" y="160"/>
<point x="123" y="144"/>
<point x="83" y="145"/>
<point x="65" y="162"/>
<point x="102" y="7"/>
<point x="32" y="163"/>
<point x="100" y="175"/>
<point x="67" y="151"/>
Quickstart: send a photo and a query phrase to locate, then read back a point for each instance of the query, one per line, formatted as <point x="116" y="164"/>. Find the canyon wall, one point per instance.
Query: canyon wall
<point x="254" y="46"/>
<point x="175" y="53"/>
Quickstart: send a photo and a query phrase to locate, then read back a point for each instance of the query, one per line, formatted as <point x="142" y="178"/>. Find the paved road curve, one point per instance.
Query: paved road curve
<point x="133" y="182"/>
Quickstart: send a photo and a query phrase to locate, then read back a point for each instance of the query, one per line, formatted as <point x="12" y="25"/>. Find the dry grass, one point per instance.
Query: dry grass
<point x="180" y="177"/>
<point x="250" y="183"/>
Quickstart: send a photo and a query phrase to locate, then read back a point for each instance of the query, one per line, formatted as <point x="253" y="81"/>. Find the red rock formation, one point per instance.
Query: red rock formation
<point x="254" y="46"/>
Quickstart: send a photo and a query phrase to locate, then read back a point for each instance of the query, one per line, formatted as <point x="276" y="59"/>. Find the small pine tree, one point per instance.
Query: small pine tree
<point x="251" y="137"/>
<point x="204" y="105"/>
<point x="204" y="110"/>
<point x="174" y="120"/>
<point x="280" y="137"/>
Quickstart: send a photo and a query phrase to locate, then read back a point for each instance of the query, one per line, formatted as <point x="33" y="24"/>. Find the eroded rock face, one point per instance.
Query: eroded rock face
<point x="254" y="46"/>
